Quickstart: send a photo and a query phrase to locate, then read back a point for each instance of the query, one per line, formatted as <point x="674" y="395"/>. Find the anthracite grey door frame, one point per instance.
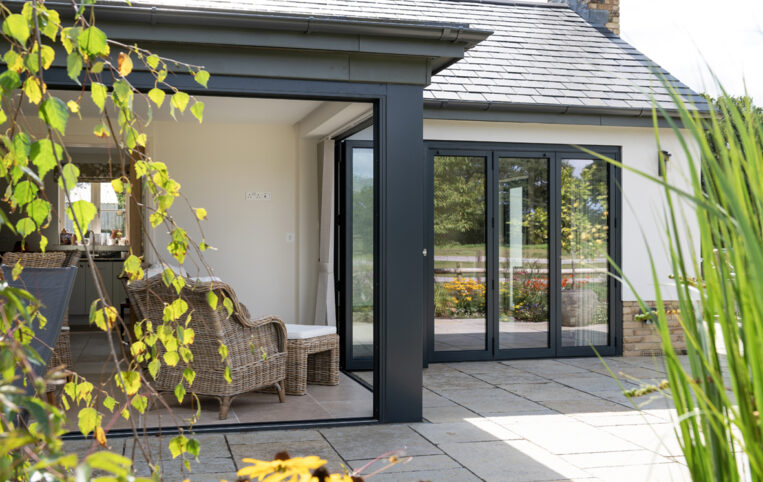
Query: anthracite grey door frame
<point x="344" y="253"/>
<point x="554" y="153"/>
<point x="399" y="153"/>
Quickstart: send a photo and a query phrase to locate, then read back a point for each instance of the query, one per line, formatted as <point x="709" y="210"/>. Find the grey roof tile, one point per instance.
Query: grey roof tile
<point x="539" y="54"/>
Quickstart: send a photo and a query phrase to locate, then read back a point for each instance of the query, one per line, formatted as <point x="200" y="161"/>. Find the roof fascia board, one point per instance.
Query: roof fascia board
<point x="444" y="32"/>
<point x="538" y="117"/>
<point x="499" y="107"/>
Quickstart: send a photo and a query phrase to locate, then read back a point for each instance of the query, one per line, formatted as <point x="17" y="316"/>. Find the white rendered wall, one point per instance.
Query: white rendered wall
<point x="216" y="164"/>
<point x="643" y="213"/>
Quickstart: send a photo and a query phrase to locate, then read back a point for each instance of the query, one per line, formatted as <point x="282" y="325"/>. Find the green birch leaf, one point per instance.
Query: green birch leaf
<point x="43" y="243"/>
<point x="177" y="444"/>
<point x="180" y="393"/>
<point x="180" y="101"/>
<point x="69" y="179"/>
<point x="228" y="304"/>
<point x="16" y="26"/>
<point x="167" y="276"/>
<point x="140" y="402"/>
<point x="17" y="269"/>
<point x="32" y="90"/>
<point x="24" y="192"/>
<point x="74" y="66"/>
<point x="109" y="403"/>
<point x="39" y="211"/>
<point x="50" y="21"/>
<point x="99" y="92"/>
<point x="226" y="375"/>
<point x="43" y="156"/>
<point x="202" y="77"/>
<point x="123" y="91"/>
<point x="171" y="358"/>
<point x="156" y="95"/>
<point x="88" y="420"/>
<point x="92" y="41"/>
<point x="212" y="300"/>
<point x="193" y="447"/>
<point x="197" y="110"/>
<point x="153" y="367"/>
<point x="25" y="227"/>
<point x="152" y="61"/>
<point x="9" y="80"/>
<point x="85" y="212"/>
<point x="55" y="113"/>
<point x="189" y="375"/>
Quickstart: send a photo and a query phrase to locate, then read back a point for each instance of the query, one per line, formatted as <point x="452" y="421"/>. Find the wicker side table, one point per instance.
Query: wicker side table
<point x="311" y="359"/>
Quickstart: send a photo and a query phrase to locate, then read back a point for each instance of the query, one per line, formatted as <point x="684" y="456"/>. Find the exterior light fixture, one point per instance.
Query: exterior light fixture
<point x="662" y="162"/>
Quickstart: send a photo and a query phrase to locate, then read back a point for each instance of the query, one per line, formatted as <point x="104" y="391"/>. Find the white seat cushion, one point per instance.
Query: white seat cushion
<point x="301" y="332"/>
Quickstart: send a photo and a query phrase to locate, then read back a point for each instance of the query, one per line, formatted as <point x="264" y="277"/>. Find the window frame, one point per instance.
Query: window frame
<point x="95" y="198"/>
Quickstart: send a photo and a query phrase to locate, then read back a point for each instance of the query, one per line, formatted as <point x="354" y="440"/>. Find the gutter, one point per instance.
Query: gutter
<point x="457" y="105"/>
<point x="160" y="15"/>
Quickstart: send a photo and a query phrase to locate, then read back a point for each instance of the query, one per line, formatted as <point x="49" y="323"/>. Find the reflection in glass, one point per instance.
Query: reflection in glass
<point x="523" y="221"/>
<point x="112" y="209"/>
<point x="81" y="192"/>
<point x="585" y="243"/>
<point x="362" y="252"/>
<point x="459" y="253"/>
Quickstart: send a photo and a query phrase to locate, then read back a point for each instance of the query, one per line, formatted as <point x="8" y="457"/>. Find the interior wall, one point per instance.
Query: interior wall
<point x="256" y="240"/>
<point x="643" y="224"/>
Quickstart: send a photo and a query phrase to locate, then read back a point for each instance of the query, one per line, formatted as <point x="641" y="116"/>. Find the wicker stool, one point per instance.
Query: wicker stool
<point x="312" y="356"/>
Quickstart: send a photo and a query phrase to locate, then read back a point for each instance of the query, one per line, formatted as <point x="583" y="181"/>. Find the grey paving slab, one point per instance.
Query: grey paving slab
<point x="454" y="413"/>
<point x="570" y="437"/>
<point x="548" y="391"/>
<point x="493" y="401"/>
<point x="367" y="442"/>
<point x="616" y="459"/>
<point x="173" y="470"/>
<point x="447" y="475"/>
<point x="272" y="436"/>
<point x="516" y="460"/>
<point x="480" y="430"/>
<point x="416" y="464"/>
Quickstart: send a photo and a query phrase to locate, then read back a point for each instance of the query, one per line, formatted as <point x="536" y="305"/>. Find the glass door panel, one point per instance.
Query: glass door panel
<point x="523" y="253"/>
<point x="460" y="252"/>
<point x="362" y="160"/>
<point x="585" y="244"/>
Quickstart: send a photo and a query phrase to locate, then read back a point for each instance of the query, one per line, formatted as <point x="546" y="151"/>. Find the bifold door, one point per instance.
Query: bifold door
<point x="520" y="241"/>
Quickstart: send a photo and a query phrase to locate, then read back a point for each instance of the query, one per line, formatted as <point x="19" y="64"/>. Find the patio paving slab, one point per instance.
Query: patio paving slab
<point x="367" y="442"/>
<point x="417" y="464"/>
<point x="454" y="413"/>
<point x="529" y="420"/>
<point x="480" y="431"/>
<point x="487" y="401"/>
<point x="448" y="475"/>
<point x="515" y="460"/>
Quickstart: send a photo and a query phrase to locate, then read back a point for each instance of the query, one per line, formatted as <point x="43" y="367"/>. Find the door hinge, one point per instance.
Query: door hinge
<point x="424" y="252"/>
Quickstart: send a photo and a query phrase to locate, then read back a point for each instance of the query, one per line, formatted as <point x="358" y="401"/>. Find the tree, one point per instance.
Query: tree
<point x="30" y="429"/>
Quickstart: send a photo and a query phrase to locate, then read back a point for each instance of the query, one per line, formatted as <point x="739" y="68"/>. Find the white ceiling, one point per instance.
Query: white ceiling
<point x="219" y="109"/>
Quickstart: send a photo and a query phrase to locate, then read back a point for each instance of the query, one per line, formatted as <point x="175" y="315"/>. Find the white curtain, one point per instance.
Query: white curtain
<point x="325" y="303"/>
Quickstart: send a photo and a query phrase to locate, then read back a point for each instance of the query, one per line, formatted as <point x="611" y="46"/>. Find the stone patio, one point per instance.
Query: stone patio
<point x="528" y="420"/>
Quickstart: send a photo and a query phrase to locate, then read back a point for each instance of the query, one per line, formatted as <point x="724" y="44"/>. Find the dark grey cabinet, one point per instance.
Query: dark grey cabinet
<point x="85" y="292"/>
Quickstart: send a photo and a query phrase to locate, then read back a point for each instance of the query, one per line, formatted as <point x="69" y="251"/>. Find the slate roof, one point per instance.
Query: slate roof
<point x="538" y="56"/>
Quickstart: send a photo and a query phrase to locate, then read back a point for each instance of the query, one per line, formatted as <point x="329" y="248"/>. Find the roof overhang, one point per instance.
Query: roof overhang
<point x="545" y="113"/>
<point x="335" y="48"/>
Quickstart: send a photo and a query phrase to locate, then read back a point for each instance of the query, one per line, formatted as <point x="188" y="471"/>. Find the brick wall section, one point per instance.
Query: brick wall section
<point x="613" y="6"/>
<point x="642" y="339"/>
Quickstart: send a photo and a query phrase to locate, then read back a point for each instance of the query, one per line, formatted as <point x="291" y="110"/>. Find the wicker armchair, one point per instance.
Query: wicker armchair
<point x="256" y="348"/>
<point x="62" y="352"/>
